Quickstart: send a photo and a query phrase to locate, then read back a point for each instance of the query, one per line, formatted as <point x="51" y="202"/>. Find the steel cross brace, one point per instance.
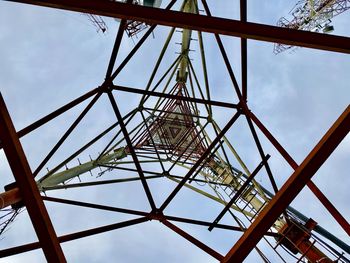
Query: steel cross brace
<point x="70" y="237"/>
<point x="131" y="149"/>
<point x="316" y="191"/>
<point x="291" y="188"/>
<point x="199" y="161"/>
<point x="238" y="193"/>
<point x="55" y="113"/>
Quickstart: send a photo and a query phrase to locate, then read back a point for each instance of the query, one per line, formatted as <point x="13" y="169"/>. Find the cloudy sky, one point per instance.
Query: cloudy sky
<point x="49" y="57"/>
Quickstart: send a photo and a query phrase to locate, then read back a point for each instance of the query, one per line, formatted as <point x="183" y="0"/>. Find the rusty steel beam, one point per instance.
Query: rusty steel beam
<point x="94" y="231"/>
<point x="111" y="76"/>
<point x="203" y="223"/>
<point x="238" y="193"/>
<point x="291" y="188"/>
<point x="330" y="207"/>
<point x="136" y="47"/>
<point x="66" y="134"/>
<point x="175" y="97"/>
<point x="28" y="188"/>
<point x="142" y="213"/>
<point x="116" y="47"/>
<point x="55" y="114"/>
<point x="244" y="64"/>
<point x="94" y="206"/>
<point x="224" y="55"/>
<point x="193" y="240"/>
<point x="314" y="189"/>
<point x="201" y="23"/>
<point x="10" y="197"/>
<point x="260" y="148"/>
<point x="130" y="55"/>
<point x="132" y="150"/>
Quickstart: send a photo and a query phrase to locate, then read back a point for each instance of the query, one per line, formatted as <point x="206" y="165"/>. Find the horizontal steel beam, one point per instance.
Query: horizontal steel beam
<point x="290" y="189"/>
<point x="94" y="206"/>
<point x="201" y="23"/>
<point x="176" y="97"/>
<point x="77" y="235"/>
<point x="221" y="226"/>
<point x="10" y="197"/>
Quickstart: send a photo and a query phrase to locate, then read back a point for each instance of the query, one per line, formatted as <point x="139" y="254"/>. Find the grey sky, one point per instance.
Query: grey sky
<point x="49" y="57"/>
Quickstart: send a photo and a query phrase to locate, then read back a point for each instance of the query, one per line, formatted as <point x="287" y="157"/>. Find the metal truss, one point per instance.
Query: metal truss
<point x="172" y="134"/>
<point x="314" y="16"/>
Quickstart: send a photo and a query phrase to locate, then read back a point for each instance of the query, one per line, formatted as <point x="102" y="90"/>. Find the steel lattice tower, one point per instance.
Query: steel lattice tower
<point x="310" y="15"/>
<point x="173" y="134"/>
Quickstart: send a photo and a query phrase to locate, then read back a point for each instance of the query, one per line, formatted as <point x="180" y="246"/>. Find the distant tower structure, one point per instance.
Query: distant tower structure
<point x="312" y="15"/>
<point x="134" y="27"/>
<point x="98" y="22"/>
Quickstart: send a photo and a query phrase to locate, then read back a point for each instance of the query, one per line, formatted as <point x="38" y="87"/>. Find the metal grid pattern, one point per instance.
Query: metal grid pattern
<point x="164" y="133"/>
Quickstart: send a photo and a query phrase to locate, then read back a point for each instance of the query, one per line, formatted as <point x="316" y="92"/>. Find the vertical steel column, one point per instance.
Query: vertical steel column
<point x="243" y="10"/>
<point x="291" y="188"/>
<point x="28" y="188"/>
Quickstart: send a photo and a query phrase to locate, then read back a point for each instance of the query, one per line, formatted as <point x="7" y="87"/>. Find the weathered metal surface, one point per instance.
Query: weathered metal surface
<point x="201" y="23"/>
<point x="291" y="188"/>
<point x="28" y="188"/>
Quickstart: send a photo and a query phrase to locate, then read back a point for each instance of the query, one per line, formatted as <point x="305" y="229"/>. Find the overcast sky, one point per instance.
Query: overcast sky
<point x="49" y="57"/>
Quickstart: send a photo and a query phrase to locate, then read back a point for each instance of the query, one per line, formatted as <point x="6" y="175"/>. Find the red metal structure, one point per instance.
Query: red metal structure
<point x="310" y="15"/>
<point x="174" y="128"/>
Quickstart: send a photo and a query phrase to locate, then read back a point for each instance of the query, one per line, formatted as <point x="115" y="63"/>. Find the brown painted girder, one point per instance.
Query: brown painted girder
<point x="77" y="235"/>
<point x="244" y="62"/>
<point x="55" y="113"/>
<point x="176" y="97"/>
<point x="193" y="240"/>
<point x="291" y="188"/>
<point x="239" y="192"/>
<point x="201" y="23"/>
<point x="315" y="190"/>
<point x="28" y="188"/>
<point x="132" y="150"/>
